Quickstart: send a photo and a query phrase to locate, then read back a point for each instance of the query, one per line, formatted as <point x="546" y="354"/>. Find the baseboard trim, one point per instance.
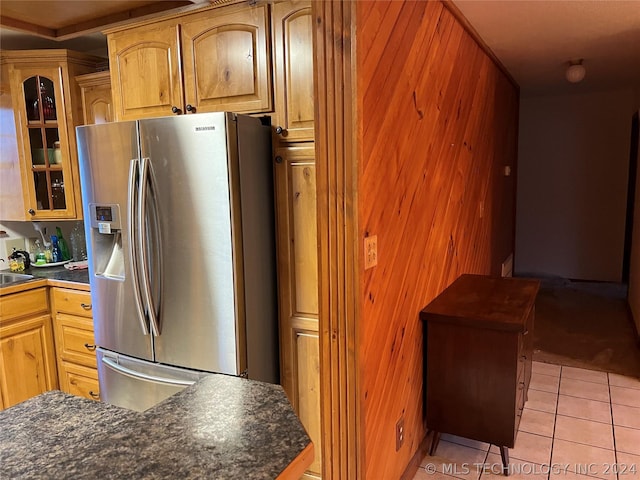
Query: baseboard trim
<point x="414" y="463"/>
<point x="633" y="323"/>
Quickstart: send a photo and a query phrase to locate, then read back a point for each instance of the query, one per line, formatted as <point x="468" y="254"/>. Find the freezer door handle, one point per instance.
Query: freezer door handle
<point x="133" y="254"/>
<point x="146" y="180"/>
<point x="143" y="376"/>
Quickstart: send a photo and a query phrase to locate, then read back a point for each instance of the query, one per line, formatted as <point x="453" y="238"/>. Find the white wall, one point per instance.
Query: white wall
<point x="573" y="165"/>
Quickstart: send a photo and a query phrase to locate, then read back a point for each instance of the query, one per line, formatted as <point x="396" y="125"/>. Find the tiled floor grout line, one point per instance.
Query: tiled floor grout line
<point x="571" y="416"/>
<point x="486" y="459"/>
<point x="555" y="419"/>
<point x="613" y="427"/>
<point x="575" y="396"/>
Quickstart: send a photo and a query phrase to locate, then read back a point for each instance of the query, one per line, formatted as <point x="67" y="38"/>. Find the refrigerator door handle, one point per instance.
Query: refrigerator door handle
<point x="143" y="376"/>
<point x="133" y="254"/>
<point x="146" y="178"/>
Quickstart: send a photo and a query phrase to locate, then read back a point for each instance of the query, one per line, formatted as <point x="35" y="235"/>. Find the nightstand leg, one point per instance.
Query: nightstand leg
<point x="434" y="443"/>
<point x="504" y="453"/>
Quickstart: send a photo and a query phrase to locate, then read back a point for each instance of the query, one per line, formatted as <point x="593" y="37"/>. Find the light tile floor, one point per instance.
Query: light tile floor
<point x="577" y="425"/>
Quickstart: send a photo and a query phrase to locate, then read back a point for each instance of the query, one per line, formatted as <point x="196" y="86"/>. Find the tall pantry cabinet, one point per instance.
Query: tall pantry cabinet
<point x="295" y="191"/>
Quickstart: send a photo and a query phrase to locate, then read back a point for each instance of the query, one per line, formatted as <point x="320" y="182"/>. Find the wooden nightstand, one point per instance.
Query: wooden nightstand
<point x="478" y="349"/>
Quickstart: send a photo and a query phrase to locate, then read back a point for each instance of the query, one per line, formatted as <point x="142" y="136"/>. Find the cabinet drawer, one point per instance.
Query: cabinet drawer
<point x="75" y="340"/>
<point x="72" y="301"/>
<point x="24" y="304"/>
<point x="79" y="380"/>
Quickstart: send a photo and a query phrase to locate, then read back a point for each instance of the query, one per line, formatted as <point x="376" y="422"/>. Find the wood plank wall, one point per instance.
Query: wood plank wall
<point x="438" y="123"/>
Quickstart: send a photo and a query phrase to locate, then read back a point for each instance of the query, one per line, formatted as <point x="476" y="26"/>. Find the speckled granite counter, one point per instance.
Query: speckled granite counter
<point x="220" y="428"/>
<point x="60" y="273"/>
<point x="51" y="277"/>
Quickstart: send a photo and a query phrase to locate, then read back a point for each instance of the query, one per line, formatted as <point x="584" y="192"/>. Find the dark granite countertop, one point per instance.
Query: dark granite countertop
<point x="220" y="428"/>
<point x="60" y="273"/>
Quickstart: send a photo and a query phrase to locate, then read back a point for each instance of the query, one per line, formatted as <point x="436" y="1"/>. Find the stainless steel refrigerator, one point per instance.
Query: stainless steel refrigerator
<point x="179" y="224"/>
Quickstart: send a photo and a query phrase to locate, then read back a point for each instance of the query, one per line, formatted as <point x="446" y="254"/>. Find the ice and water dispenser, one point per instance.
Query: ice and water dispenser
<point x="106" y="241"/>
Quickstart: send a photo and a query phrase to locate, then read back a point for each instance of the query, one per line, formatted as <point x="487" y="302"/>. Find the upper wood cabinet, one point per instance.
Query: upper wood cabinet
<point x="211" y="60"/>
<point x="293" y="72"/>
<point x="41" y="155"/>
<point x="227" y="62"/>
<point x="145" y="71"/>
<point x="97" y="106"/>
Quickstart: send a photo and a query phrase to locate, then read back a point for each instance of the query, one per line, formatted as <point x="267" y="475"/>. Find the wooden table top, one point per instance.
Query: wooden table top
<point x="484" y="302"/>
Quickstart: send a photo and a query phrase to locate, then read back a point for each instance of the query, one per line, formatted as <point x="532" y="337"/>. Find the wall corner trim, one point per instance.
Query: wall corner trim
<point x="455" y="11"/>
<point x="336" y="184"/>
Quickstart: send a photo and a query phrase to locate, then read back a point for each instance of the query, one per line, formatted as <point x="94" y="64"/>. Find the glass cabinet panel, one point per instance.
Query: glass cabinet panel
<point x="42" y="189"/>
<point x="44" y="143"/>
<point x="31" y="98"/>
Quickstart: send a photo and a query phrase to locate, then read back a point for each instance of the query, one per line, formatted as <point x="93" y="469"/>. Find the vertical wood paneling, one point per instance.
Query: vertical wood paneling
<point x="336" y="176"/>
<point x="438" y="125"/>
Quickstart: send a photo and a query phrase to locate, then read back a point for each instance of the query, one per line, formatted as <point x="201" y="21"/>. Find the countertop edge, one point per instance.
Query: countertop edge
<point x="23" y="287"/>
<point x="41" y="281"/>
<point x="298" y="465"/>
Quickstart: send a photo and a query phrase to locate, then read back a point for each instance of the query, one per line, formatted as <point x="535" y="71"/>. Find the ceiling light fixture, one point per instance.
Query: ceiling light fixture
<point x="575" y="71"/>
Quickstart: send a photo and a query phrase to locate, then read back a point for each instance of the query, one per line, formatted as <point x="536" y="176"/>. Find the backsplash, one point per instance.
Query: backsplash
<point x="23" y="234"/>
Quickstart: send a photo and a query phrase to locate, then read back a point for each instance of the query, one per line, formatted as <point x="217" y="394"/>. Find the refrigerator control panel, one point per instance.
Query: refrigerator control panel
<point x="105" y="217"/>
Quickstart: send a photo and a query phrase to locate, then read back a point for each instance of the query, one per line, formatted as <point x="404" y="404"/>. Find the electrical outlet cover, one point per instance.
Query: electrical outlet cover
<point x="399" y="433"/>
<point x="370" y="251"/>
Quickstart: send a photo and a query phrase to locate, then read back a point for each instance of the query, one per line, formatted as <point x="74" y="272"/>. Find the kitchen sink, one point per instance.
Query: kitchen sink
<point x="9" y="278"/>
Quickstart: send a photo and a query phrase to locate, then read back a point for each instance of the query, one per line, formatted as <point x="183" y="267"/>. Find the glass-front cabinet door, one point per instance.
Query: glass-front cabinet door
<point x="44" y="141"/>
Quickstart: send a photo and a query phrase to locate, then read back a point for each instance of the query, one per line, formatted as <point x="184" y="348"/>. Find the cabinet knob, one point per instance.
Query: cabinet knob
<point x="31" y="211"/>
<point x="176" y="110"/>
<point x="94" y="394"/>
<point x="86" y="306"/>
<point x="89" y="347"/>
<point x="190" y="108"/>
<point x="279" y="130"/>
<point x="278" y="159"/>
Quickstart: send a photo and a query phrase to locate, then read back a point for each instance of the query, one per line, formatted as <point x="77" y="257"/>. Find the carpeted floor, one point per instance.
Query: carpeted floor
<point x="585" y="325"/>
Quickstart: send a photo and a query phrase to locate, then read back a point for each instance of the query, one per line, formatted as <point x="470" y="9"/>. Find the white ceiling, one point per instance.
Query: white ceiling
<point x="535" y="40"/>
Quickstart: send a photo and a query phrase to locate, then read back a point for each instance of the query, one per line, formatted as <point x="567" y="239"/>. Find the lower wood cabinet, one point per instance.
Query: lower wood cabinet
<point x="78" y="380"/>
<point x="75" y="347"/>
<point x="27" y="358"/>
